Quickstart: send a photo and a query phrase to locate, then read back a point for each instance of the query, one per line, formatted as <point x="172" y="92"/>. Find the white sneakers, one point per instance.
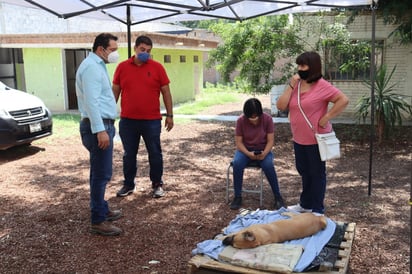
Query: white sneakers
<point x="298" y="208"/>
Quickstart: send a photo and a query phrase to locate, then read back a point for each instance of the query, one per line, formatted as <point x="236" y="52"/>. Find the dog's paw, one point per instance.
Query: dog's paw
<point x="289" y="214"/>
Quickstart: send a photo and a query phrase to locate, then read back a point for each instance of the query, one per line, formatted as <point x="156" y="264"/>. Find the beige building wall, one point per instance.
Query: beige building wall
<point x="394" y="54"/>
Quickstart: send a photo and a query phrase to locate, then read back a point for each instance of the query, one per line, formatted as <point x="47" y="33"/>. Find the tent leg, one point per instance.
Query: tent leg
<point x="129" y="33"/>
<point x="372" y="76"/>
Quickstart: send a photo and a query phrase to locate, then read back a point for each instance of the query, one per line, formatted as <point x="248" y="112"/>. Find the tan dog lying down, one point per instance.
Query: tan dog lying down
<point x="298" y="226"/>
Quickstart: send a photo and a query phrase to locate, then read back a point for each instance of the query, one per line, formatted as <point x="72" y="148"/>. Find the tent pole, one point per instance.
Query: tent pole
<point x="372" y="76"/>
<point x="129" y="35"/>
<point x="410" y="230"/>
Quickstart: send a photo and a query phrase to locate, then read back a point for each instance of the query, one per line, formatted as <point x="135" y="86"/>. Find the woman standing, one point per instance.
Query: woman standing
<point x="315" y="95"/>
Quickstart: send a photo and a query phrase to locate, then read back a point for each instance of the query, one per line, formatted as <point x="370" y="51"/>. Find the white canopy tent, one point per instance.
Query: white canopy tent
<point x="132" y="12"/>
<point x="139" y="11"/>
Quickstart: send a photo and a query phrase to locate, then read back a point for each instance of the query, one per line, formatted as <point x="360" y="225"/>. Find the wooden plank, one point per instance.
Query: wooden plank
<point x="204" y="265"/>
<point x="218" y="267"/>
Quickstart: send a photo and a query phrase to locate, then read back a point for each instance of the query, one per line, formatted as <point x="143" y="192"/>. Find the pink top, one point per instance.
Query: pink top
<point x="254" y="136"/>
<point x="314" y="103"/>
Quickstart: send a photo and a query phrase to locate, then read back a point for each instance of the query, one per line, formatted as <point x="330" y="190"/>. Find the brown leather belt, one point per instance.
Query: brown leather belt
<point x="105" y="121"/>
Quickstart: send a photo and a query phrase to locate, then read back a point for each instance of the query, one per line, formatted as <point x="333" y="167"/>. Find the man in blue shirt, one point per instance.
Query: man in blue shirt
<point x="98" y="111"/>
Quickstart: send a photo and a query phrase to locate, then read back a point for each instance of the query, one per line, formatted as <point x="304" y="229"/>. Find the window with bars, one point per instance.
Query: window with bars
<point x="167" y="59"/>
<point x="351" y="63"/>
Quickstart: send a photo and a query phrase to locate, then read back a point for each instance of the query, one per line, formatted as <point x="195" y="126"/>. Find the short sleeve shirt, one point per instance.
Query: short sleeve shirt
<point x="314" y="103"/>
<point x="140" y="88"/>
<point x="254" y="136"/>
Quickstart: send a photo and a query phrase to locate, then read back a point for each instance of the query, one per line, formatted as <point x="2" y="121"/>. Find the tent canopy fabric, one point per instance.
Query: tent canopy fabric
<point x="132" y="12"/>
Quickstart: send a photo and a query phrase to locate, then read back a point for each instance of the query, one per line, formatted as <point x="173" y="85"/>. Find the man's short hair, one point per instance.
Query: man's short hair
<point x="143" y="40"/>
<point x="103" y="39"/>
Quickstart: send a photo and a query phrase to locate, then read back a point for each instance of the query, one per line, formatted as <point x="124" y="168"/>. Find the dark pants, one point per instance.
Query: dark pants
<point x="313" y="173"/>
<point x="240" y="161"/>
<point x="130" y="131"/>
<point x="100" y="169"/>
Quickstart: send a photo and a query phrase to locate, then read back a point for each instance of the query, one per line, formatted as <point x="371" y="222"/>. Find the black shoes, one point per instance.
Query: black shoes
<point x="279" y="202"/>
<point x="236" y="203"/>
<point x="125" y="190"/>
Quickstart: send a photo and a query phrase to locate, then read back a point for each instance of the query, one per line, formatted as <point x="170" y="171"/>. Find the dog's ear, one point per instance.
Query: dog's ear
<point x="248" y="236"/>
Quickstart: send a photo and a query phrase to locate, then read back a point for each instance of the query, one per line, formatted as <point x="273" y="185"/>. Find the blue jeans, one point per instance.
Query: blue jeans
<point x="313" y="172"/>
<point x="130" y="131"/>
<point x="240" y="161"/>
<point x="100" y="169"/>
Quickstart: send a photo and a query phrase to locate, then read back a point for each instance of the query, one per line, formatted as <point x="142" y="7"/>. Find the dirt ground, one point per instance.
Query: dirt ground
<point x="44" y="201"/>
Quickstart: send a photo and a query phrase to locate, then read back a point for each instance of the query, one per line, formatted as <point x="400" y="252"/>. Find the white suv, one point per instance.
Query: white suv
<point x="23" y="118"/>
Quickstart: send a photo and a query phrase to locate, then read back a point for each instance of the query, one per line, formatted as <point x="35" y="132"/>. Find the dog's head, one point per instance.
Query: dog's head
<point x="242" y="239"/>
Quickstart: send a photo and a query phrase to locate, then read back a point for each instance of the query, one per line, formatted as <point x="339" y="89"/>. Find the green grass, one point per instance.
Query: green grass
<point x="67" y="125"/>
<point x="210" y="96"/>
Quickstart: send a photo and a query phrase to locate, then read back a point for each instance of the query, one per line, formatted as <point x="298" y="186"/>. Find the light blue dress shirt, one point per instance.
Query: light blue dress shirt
<point x="94" y="92"/>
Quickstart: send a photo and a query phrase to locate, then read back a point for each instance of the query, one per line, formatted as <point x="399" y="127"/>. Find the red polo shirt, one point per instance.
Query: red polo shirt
<point x="140" y="88"/>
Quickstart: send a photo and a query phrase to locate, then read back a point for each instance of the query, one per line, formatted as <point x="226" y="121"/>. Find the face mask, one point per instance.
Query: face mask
<point x="113" y="57"/>
<point x="303" y="74"/>
<point x="143" y="56"/>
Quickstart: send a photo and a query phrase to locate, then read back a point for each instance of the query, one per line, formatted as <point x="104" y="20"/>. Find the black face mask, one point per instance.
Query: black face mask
<point x="303" y="74"/>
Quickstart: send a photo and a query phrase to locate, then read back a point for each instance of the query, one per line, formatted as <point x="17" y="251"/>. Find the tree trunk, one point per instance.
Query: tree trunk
<point x="381" y="128"/>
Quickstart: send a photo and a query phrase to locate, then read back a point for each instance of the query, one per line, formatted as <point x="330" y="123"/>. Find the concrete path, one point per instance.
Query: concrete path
<point x="228" y="118"/>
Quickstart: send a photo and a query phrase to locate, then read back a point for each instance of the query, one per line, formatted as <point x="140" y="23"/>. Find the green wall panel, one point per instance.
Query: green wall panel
<point x="185" y="78"/>
<point x="43" y="71"/>
<point x="44" y="74"/>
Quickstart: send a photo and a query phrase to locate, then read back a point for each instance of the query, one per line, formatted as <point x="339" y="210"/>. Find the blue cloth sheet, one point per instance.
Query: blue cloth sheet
<point x="312" y="245"/>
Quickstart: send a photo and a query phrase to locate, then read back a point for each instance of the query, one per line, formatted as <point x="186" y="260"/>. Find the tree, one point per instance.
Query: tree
<point x="388" y="106"/>
<point x="253" y="47"/>
<point x="399" y="13"/>
<point x="342" y="53"/>
<point x="263" y="47"/>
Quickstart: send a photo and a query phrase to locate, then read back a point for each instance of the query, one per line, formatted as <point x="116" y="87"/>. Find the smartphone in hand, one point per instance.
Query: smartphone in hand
<point x="257" y="152"/>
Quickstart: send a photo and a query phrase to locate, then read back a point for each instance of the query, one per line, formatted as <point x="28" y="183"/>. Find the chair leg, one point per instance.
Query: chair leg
<point x="228" y="182"/>
<point x="261" y="187"/>
<point x="228" y="185"/>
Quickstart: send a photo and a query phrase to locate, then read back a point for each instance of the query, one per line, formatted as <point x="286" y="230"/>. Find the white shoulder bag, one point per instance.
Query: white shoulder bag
<point x="329" y="145"/>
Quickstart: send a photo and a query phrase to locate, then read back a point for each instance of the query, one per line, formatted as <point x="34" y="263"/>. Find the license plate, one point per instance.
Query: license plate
<point x="35" y="127"/>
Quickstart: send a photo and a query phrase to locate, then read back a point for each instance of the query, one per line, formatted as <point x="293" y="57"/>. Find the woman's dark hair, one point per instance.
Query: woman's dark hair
<point x="143" y="40"/>
<point x="312" y="59"/>
<point x="252" y="107"/>
<point x="103" y="39"/>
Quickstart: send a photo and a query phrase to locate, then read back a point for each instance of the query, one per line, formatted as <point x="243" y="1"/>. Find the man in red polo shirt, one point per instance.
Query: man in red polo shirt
<point x="140" y="81"/>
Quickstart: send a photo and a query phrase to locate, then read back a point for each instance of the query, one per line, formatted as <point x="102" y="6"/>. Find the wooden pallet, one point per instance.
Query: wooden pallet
<point x="200" y="264"/>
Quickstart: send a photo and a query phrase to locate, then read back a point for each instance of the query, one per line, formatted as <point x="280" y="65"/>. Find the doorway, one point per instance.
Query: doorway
<point x="12" y="68"/>
<point x="73" y="59"/>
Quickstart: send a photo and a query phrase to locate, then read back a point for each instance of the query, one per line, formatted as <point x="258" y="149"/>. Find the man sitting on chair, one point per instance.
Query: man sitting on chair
<point x="254" y="138"/>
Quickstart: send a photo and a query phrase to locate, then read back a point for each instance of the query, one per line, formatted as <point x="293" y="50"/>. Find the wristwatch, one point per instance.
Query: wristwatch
<point x="169" y="115"/>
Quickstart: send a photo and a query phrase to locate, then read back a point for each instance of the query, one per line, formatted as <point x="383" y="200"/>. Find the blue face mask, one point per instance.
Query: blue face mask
<point x="143" y="56"/>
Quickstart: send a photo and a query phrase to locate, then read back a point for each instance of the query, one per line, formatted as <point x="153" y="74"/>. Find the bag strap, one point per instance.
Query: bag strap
<point x="301" y="110"/>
